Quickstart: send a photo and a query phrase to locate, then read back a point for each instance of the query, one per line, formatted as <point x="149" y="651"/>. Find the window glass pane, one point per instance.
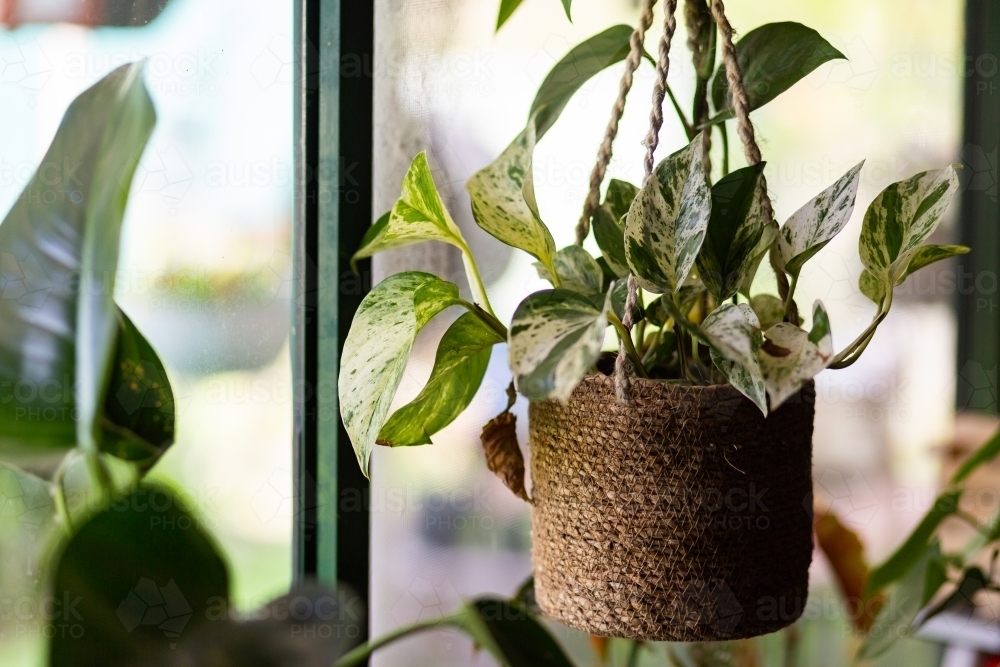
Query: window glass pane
<point x="443" y="527"/>
<point x="204" y="269"/>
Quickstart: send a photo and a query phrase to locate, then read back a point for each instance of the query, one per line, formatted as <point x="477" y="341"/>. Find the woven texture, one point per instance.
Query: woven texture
<point x="684" y="516"/>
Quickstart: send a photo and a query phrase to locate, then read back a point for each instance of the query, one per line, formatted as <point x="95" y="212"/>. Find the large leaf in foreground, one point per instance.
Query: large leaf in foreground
<point x="734" y="333"/>
<point x="772" y="59"/>
<point x="378" y="346"/>
<point x="667" y="220"/>
<point x="462" y="357"/>
<point x="815" y="224"/>
<point x="899" y="219"/>
<point x="59" y="255"/>
<point x="791" y="356"/>
<point x="555" y="338"/>
<point x="735" y="228"/>
<point x="134" y="578"/>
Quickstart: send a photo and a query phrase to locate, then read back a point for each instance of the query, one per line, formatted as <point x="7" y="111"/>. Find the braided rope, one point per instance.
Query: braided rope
<point x="604" y="152"/>
<point x="696" y="15"/>
<point x="741" y="106"/>
<point x="623" y="366"/>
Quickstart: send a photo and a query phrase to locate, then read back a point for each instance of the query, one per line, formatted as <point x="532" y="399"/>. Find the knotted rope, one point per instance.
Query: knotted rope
<point x="604" y="152"/>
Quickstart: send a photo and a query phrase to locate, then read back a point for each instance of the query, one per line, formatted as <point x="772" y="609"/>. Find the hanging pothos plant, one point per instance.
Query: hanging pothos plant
<point x="693" y="244"/>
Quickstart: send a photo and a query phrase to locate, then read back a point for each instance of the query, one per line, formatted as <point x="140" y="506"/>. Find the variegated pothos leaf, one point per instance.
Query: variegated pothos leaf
<point x="555" y="338"/>
<point x="899" y="219"/>
<point x="874" y="288"/>
<point x="459" y="366"/>
<point x="378" y="346"/>
<point x="817" y="222"/>
<point x="734" y="335"/>
<point x="577" y="270"/>
<point x="791" y="356"/>
<point x="735" y="227"/>
<point x="769" y="309"/>
<point x="503" y="200"/>
<point x="667" y="220"/>
<point x="419" y="214"/>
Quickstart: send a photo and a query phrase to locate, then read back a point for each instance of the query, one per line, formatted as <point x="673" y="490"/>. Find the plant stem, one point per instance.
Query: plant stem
<point x="850" y="354"/>
<point x="100" y="474"/>
<point x="681" y="352"/>
<point x="360" y="654"/>
<point x="688" y="128"/>
<point x="626" y="338"/>
<point x="62" y="508"/>
<point x="475" y="280"/>
<point x="633" y="654"/>
<point x="788" y="301"/>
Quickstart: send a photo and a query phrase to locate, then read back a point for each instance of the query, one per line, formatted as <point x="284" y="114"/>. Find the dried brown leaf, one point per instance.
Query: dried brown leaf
<point x="846" y="555"/>
<point x="503" y="456"/>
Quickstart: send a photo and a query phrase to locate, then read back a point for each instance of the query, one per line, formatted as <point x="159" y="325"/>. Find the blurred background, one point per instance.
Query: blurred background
<point x="206" y="252"/>
<point x="205" y="264"/>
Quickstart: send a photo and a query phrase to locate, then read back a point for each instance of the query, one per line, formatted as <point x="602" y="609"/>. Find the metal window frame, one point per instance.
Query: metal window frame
<point x="979" y="308"/>
<point x="333" y="147"/>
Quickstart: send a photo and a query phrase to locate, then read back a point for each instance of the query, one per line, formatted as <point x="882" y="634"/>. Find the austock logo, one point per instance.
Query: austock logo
<point x="161" y="606"/>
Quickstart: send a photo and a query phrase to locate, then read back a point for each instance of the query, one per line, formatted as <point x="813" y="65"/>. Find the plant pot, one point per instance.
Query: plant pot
<point x="686" y="516"/>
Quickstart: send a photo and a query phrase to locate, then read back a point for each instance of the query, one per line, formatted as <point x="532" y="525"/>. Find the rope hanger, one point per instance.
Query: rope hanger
<point x="741" y="108"/>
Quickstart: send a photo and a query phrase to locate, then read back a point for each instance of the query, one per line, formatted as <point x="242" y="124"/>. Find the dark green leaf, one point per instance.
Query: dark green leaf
<point x="915" y="546"/>
<point x="734" y="231"/>
<point x="511" y="634"/>
<point x="609" y="224"/>
<point x="462" y="357"/>
<point x="134" y="578"/>
<point x="566" y="6"/>
<point x="772" y="59"/>
<point x="987" y="452"/>
<point x="935" y="576"/>
<point x="58" y="320"/>
<point x="575" y="69"/>
<point x="139" y="407"/>
<point x="898" y="614"/>
<point x="973" y="581"/>
<point x="507" y="8"/>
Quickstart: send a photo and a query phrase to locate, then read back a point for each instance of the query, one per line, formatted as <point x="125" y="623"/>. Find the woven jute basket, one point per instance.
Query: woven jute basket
<point x="684" y="516"/>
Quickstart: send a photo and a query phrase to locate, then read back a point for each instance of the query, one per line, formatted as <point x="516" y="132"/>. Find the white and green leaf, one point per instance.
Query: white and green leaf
<point x="874" y="288"/>
<point x="419" y="214"/>
<point x="792" y="356"/>
<point x="503" y="201"/>
<point x="555" y="338"/>
<point x="734" y="336"/>
<point x="462" y="357"/>
<point x="769" y="310"/>
<point x="577" y="270"/>
<point x="667" y="221"/>
<point x="609" y="224"/>
<point x="899" y="219"/>
<point x="731" y="252"/>
<point x="815" y="224"/>
<point x="378" y="346"/>
<point x="374" y="241"/>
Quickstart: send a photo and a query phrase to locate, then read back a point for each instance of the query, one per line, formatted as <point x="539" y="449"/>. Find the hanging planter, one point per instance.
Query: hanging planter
<point x="671" y="490"/>
<point x="684" y="516"/>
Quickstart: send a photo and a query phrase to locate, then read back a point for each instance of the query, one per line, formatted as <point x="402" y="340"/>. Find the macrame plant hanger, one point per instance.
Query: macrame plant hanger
<point x="741" y="109"/>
